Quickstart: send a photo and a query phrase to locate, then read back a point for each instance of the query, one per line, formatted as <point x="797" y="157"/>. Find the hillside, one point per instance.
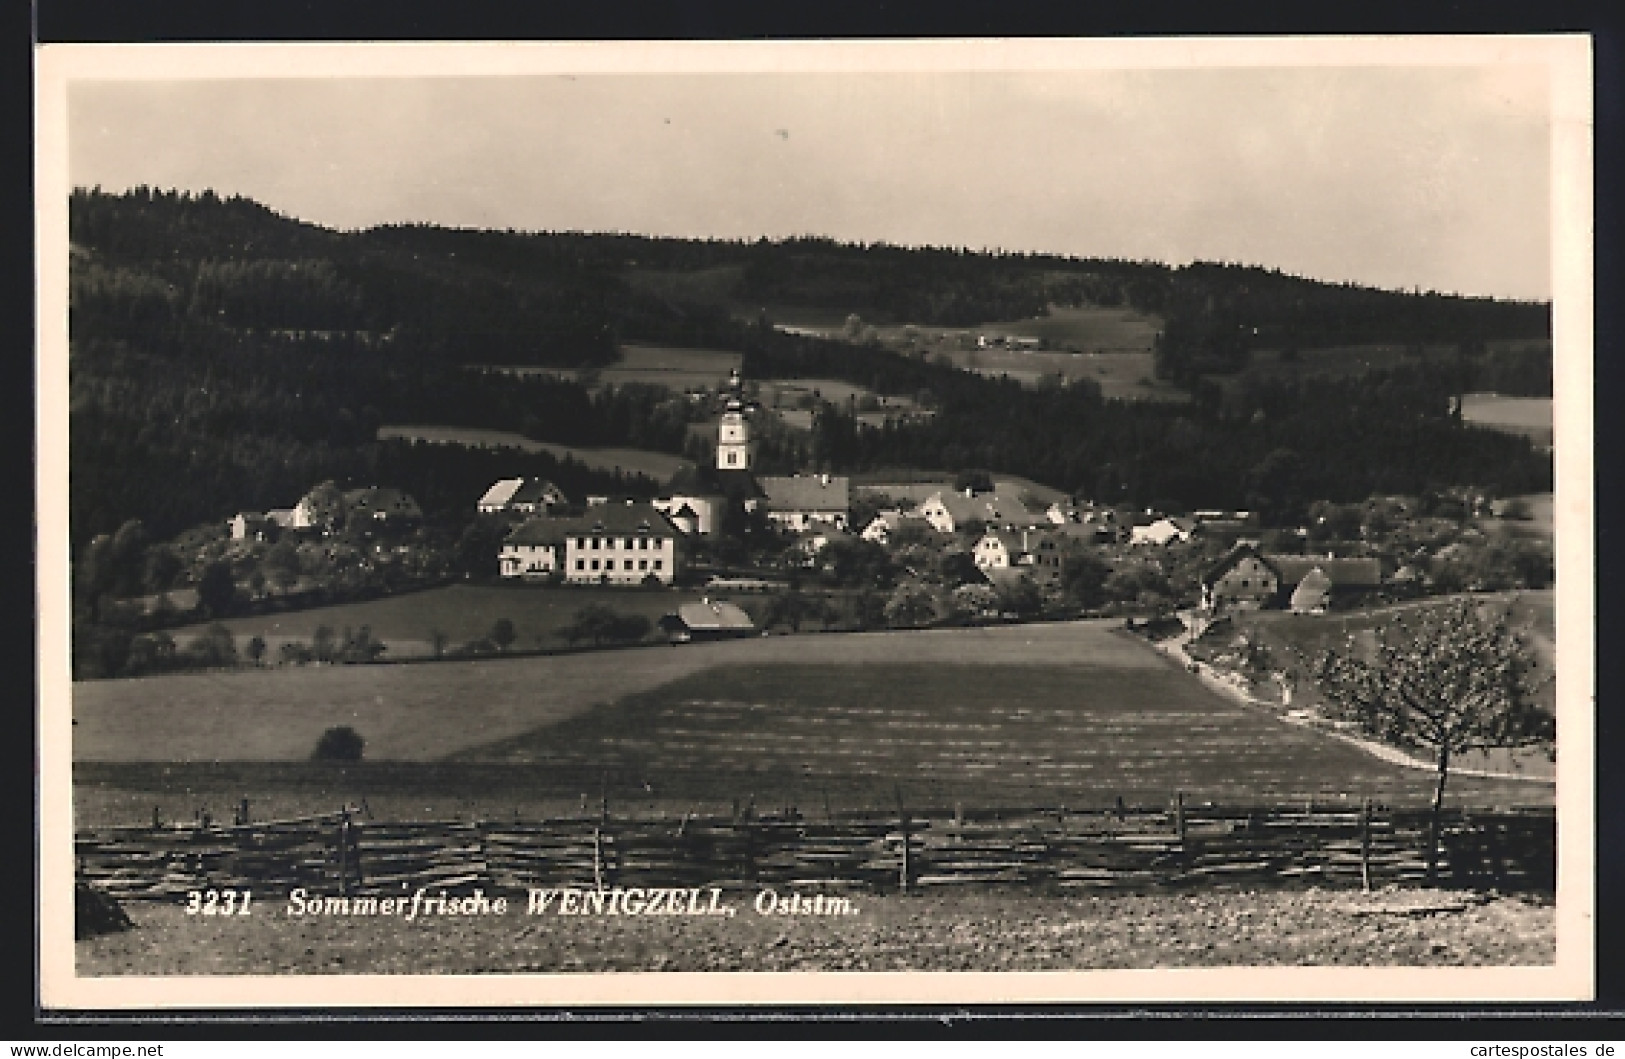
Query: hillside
<point x="225" y="358"/>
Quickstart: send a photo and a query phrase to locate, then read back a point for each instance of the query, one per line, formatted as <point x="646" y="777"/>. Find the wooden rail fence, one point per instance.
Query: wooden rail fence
<point x="1113" y="849"/>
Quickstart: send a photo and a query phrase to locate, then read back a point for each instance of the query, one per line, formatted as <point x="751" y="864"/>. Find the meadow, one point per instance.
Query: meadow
<point x="1075" y="713"/>
<point x="1529" y="416"/>
<point x="406" y="623"/>
<point x="1291" y="637"/>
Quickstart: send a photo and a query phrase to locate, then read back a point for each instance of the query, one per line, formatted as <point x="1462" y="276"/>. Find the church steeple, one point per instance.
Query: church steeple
<point x="733" y="431"/>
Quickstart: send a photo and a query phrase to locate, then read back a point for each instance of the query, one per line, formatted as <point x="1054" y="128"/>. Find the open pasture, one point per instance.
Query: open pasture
<point x="1529" y="416"/>
<point x="430" y="710"/>
<point x="1122" y="376"/>
<point x="658" y="465"/>
<point x="677" y="368"/>
<point x="406" y="623"/>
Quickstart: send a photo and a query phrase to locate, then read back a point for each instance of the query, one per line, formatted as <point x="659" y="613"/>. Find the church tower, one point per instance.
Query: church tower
<point x="733" y="432"/>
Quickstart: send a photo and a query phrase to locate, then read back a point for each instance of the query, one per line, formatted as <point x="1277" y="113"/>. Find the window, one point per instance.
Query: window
<point x="657" y="564"/>
<point x="581" y="564"/>
<point x="643" y="564"/>
<point x="628" y="564"/>
<point x="595" y="564"/>
<point x="581" y="542"/>
<point x="733" y="457"/>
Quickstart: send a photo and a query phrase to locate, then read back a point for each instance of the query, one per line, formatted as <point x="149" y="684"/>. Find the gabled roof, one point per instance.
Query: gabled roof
<point x="1342" y="573"/>
<point x="1312" y="590"/>
<point x="501" y="492"/>
<point x="1015" y="543"/>
<point x="996" y="509"/>
<point x="806" y="492"/>
<point x="1212" y="574"/>
<point x="707" y="615"/>
<point x="628" y="518"/>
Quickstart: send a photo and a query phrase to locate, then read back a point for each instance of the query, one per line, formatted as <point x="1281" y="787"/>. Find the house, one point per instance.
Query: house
<point x="802" y="501"/>
<point x="1162" y="532"/>
<point x="251" y="526"/>
<point x="1004" y="548"/>
<point x="707" y="620"/>
<point x="882" y="526"/>
<point x="948" y="511"/>
<point x="1347" y="577"/>
<point x="1056" y="543"/>
<point x="529" y="496"/>
<point x="691" y="514"/>
<point x="623" y="542"/>
<point x="534" y="549"/>
<point x="1246" y="578"/>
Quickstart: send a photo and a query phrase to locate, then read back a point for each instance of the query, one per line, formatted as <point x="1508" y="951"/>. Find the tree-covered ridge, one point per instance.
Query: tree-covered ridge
<point x="224" y="357"/>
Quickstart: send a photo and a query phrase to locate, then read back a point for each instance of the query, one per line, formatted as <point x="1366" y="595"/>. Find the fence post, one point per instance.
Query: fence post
<point x="344" y="851"/>
<point x="902" y="815"/>
<point x="1365" y="845"/>
<point x="597" y="859"/>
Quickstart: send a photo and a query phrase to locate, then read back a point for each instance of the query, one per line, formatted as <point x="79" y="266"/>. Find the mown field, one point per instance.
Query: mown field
<point x="1074" y="714"/>
<point x="973" y="930"/>
<point x="406" y="623"/>
<point x="657" y="465"/>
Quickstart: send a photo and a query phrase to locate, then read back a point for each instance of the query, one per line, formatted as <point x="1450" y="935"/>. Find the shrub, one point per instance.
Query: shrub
<point x="340" y="743"/>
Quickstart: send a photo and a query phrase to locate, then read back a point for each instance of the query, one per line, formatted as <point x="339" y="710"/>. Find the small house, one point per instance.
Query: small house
<point x="707" y="620"/>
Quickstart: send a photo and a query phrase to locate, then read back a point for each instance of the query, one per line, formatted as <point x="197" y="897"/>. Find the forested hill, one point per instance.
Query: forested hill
<point x="225" y="357"/>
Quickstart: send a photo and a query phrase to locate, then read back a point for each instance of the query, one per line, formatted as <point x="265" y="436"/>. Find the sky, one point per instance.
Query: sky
<point x="1433" y="177"/>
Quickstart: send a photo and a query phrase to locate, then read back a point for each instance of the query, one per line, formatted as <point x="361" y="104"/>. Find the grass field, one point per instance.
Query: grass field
<point x="658" y="465"/>
<point x="1529" y="416"/>
<point x="406" y="623"/>
<point x="1075" y="714"/>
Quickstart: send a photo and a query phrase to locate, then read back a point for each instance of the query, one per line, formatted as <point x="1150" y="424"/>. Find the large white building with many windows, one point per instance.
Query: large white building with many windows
<point x="622" y="542"/>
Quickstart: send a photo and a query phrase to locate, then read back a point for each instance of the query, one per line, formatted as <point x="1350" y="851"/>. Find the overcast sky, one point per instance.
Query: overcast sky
<point x="1436" y="177"/>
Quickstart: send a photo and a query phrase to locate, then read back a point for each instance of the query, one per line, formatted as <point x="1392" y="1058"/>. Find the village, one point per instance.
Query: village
<point x="794" y="553"/>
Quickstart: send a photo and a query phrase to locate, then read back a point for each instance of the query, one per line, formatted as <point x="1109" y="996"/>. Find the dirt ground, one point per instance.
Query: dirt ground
<point x="982" y="930"/>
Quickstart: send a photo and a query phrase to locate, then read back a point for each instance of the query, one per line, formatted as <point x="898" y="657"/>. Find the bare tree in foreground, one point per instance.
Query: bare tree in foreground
<point x="1444" y="680"/>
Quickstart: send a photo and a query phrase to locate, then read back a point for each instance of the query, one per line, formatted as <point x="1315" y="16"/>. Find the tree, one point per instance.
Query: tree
<point x="321" y="643"/>
<point x="340" y="743"/>
<point x="974" y="480"/>
<point x="1083" y="577"/>
<point x="912" y="604"/>
<point x="503" y="634"/>
<point x="1444" y="679"/>
<point x="217" y="589"/>
<point x="256" y="649"/>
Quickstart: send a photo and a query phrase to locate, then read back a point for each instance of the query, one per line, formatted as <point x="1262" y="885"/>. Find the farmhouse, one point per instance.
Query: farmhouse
<point x="1245" y="578"/>
<point x="707" y="620"/>
<point x="616" y="543"/>
<point x="529" y="496"/>
<point x="251" y="526"/>
<point x="885" y="524"/>
<point x="801" y="502"/>
<point x="1162" y="531"/>
<point x="947" y="511"/>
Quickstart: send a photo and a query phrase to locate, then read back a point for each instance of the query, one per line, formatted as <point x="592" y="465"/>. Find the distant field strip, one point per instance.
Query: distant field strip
<point x="423" y="712"/>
